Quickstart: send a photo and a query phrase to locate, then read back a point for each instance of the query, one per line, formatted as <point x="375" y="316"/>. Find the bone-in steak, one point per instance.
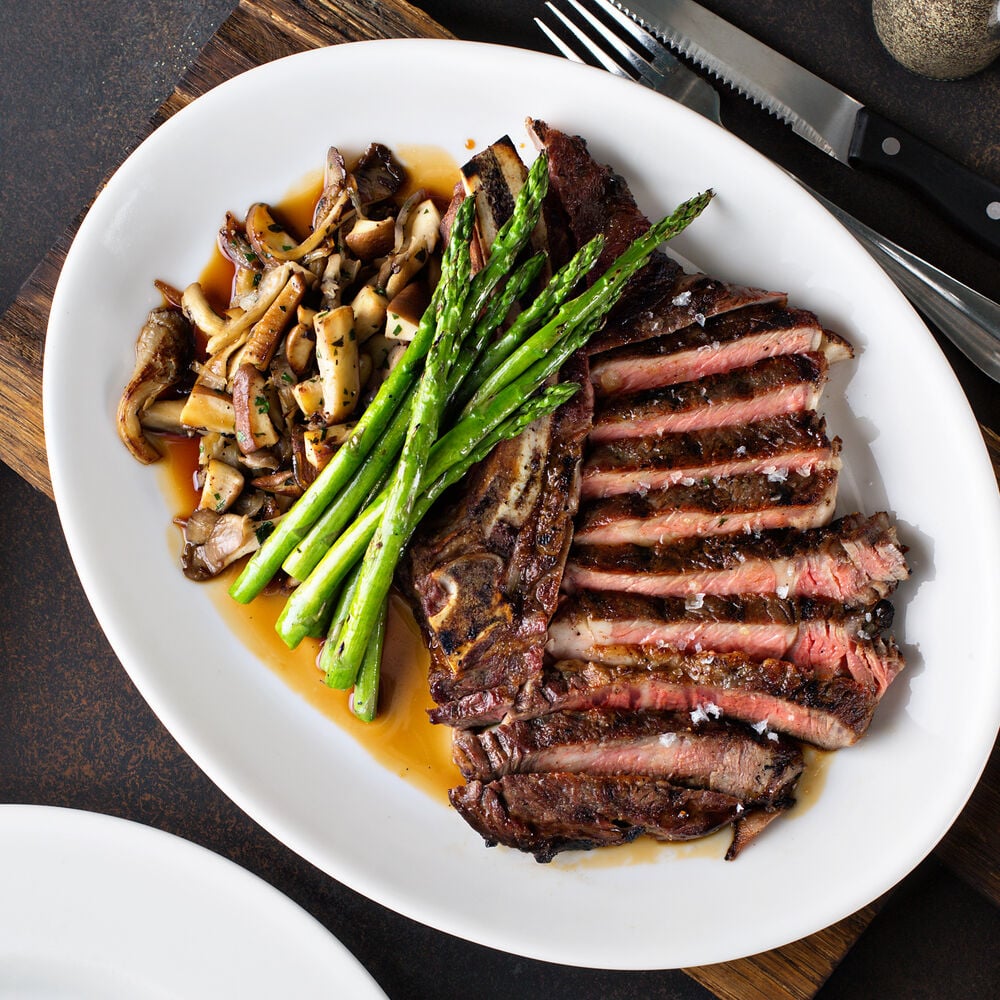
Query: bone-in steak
<point x="486" y="572"/>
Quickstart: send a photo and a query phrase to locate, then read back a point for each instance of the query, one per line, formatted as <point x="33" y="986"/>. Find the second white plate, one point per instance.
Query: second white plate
<point x="98" y="907"/>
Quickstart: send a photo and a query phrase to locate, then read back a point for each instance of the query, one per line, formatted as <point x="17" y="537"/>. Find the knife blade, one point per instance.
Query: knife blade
<point x="835" y="122"/>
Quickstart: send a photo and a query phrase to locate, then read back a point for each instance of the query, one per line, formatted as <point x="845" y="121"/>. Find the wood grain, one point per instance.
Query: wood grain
<point x="258" y="32"/>
<point x="794" y="972"/>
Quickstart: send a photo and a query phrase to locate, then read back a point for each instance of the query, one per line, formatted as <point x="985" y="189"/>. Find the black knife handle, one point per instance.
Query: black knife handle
<point x="971" y="201"/>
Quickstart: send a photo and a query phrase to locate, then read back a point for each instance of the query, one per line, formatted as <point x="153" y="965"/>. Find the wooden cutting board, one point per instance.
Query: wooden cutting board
<point x="259" y="31"/>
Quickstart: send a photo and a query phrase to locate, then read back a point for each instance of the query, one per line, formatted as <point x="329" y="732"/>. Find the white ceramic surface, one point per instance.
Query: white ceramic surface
<point x="99" y="907"/>
<point x="910" y="446"/>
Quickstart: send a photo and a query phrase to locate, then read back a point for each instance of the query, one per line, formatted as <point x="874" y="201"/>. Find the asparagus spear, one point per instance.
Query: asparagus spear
<point x="364" y="698"/>
<point x="538" y="312"/>
<point x="327" y="662"/>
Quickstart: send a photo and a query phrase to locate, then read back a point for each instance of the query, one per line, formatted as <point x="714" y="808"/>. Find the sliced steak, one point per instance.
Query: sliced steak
<point x="824" y="635"/>
<point x="487" y="567"/>
<point x="715" y="755"/>
<point x="771" y="695"/>
<point x="786" y="384"/>
<point x="855" y="559"/>
<point x="544" y="814"/>
<point x="724" y="506"/>
<point x="795" y="442"/>
<point x="732" y="340"/>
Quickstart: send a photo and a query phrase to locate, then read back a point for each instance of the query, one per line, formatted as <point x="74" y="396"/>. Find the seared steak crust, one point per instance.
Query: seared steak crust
<point x="792" y="442"/>
<point x="723" y="506"/>
<point x="854" y="559"/>
<point x="547" y="813"/>
<point x="716" y="755"/>
<point x="688" y="300"/>
<point x="784" y="384"/>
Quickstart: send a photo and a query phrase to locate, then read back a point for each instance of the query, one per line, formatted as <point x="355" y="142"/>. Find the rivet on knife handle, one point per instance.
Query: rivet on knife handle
<point x="969" y="199"/>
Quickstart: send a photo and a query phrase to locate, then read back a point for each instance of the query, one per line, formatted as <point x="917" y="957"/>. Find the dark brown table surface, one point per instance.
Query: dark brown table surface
<point x="78" y="83"/>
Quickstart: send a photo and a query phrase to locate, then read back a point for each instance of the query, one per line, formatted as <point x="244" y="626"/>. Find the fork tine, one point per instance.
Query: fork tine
<point x="557" y="41"/>
<point x="661" y="70"/>
<point x="595" y="50"/>
<point x="641" y="66"/>
<point x="662" y="59"/>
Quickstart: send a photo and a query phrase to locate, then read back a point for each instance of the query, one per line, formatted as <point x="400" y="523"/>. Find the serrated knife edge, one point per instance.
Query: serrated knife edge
<point x="827" y="120"/>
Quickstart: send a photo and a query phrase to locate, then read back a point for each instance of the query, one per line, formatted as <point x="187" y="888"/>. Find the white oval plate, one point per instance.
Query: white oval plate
<point x="910" y="445"/>
<point x="95" y="906"/>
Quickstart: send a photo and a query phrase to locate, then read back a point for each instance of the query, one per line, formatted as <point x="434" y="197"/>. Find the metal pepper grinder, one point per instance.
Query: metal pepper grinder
<point x="941" y="39"/>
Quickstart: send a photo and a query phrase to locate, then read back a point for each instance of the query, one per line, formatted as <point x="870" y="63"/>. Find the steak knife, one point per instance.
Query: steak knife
<point x="830" y="119"/>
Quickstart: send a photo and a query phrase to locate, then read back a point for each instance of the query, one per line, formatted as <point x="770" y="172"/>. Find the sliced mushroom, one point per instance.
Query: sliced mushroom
<point x="337" y="359"/>
<point x="223" y="484"/>
<point x="338" y="276"/>
<point x="405" y="311"/>
<point x="210" y="410"/>
<point x="262" y="341"/>
<point x="281" y="483"/>
<point x="236" y="247"/>
<point x="214" y="541"/>
<point x="251" y="406"/>
<point x="365" y="367"/>
<point x="309" y="396"/>
<point x="162" y="352"/>
<point x="262" y="460"/>
<point x="223" y="331"/>
<point x="322" y="443"/>
<point x="300" y="345"/>
<point x="369" y="306"/>
<point x="378" y="175"/>
<point x="275" y="244"/>
<point x="164" y="415"/>
<point x="335" y="180"/>
<point x="371" y="238"/>
<point x="420" y="230"/>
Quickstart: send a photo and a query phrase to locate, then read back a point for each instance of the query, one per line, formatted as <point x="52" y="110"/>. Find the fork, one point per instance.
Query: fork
<point x="970" y="320"/>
